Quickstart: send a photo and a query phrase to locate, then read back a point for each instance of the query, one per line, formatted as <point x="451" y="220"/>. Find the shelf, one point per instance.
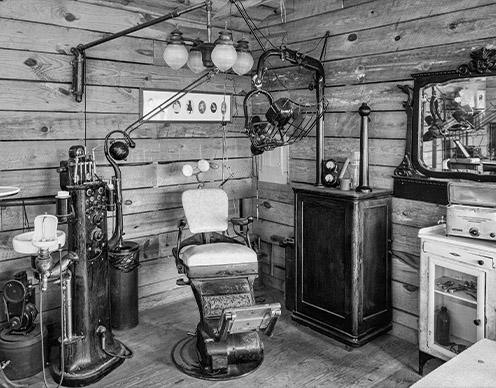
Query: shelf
<point x="465" y="296"/>
<point x="454" y="340"/>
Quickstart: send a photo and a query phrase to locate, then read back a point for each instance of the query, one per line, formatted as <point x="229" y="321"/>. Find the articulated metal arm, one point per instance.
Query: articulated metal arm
<point x="119" y="151"/>
<point x="79" y="62"/>
<point x="292" y="56"/>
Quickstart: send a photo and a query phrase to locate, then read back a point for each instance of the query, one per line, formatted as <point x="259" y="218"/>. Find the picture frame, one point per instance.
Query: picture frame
<point x="192" y="107"/>
<point x="480" y="99"/>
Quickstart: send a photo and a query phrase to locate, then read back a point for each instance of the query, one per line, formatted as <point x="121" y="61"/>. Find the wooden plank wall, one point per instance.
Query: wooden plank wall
<point x="39" y="121"/>
<point x="373" y="47"/>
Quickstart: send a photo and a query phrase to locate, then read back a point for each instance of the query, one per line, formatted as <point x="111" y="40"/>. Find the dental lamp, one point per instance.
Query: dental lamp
<point x="287" y="121"/>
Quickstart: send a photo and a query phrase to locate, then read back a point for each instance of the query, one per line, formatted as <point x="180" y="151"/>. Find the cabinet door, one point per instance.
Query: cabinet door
<point x="323" y="268"/>
<point x="460" y="290"/>
<point x="375" y="268"/>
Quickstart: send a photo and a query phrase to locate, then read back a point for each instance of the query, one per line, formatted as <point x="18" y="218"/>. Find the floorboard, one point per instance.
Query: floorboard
<point x="295" y="356"/>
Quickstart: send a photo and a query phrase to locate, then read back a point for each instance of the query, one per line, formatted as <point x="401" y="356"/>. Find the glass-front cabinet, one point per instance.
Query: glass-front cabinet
<point x="454" y="318"/>
<point x="457" y="287"/>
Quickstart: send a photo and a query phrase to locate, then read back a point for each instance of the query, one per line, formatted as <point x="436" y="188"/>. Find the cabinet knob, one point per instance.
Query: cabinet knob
<point x="480" y="262"/>
<point x="477" y="322"/>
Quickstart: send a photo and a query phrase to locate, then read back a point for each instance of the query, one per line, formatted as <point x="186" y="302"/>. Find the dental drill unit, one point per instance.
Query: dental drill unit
<point x="88" y="350"/>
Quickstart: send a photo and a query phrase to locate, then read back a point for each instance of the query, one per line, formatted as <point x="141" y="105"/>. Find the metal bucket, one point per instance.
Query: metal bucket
<point x="124" y="263"/>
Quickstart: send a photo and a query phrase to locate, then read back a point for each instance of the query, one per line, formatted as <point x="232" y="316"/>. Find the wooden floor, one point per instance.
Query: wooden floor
<point x="295" y="356"/>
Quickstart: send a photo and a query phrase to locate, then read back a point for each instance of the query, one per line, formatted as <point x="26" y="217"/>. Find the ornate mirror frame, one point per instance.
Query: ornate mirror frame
<point x="412" y="178"/>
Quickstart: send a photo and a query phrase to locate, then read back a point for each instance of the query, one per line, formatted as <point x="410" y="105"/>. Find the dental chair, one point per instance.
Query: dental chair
<point x="221" y="271"/>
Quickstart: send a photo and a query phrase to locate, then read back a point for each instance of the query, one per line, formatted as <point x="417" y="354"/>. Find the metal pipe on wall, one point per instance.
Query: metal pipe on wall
<point x="363" y="185"/>
<point x="319" y="136"/>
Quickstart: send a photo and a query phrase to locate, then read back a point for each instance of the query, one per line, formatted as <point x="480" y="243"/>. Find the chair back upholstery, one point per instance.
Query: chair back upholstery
<point x="206" y="210"/>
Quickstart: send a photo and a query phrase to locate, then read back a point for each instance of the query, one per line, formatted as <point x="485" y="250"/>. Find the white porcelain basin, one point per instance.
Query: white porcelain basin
<point x="6" y="191"/>
<point x="23" y="243"/>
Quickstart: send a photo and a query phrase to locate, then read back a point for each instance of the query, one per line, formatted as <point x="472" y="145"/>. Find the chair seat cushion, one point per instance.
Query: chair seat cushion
<point x="218" y="254"/>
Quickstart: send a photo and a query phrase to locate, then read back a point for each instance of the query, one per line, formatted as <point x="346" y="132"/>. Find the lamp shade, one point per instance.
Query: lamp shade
<point x="195" y="58"/>
<point x="224" y="54"/>
<point x="244" y="62"/>
<point x="175" y="54"/>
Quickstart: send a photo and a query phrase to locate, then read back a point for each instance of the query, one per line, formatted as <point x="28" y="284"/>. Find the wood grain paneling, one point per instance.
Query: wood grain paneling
<point x="373" y="47"/>
<point x="40" y="121"/>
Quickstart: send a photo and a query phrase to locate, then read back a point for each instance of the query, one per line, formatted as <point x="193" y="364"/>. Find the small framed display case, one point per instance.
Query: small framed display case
<point x="191" y="107"/>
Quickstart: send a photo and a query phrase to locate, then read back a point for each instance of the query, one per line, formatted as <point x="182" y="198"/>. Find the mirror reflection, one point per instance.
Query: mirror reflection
<point x="457" y="124"/>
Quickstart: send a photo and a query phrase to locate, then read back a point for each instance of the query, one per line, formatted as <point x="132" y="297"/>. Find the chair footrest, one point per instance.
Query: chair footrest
<point x="251" y="318"/>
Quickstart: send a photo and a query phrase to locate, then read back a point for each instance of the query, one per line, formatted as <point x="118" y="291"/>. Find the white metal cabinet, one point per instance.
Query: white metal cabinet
<point x="460" y="274"/>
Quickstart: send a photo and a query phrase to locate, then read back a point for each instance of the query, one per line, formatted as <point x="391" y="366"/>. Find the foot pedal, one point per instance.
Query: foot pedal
<point x="182" y="282"/>
<point x="251" y="318"/>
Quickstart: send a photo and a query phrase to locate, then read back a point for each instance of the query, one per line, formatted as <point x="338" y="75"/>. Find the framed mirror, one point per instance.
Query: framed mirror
<point x="451" y="130"/>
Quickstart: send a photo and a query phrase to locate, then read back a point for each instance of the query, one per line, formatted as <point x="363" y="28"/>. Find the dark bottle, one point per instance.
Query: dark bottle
<point x="442" y="329"/>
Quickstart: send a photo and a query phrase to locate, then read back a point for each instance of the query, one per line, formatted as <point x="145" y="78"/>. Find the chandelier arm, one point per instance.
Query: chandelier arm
<point x="142" y="26"/>
<point x="79" y="62"/>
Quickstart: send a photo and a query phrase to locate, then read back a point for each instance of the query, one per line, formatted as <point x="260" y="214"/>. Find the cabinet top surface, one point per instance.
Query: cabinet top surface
<point x="330" y="191"/>
<point x="438" y="233"/>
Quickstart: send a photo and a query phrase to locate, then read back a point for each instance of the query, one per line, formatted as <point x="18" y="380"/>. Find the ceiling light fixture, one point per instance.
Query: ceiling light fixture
<point x="224" y="54"/>
<point x="195" y="58"/>
<point x="176" y="54"/>
<point x="220" y="54"/>
<point x="244" y="61"/>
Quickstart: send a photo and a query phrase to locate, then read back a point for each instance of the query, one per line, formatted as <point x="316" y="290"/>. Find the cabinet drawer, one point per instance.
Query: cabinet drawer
<point x="457" y="253"/>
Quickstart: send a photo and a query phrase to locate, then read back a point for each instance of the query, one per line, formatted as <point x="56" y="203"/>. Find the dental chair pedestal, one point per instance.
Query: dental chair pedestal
<point x="221" y="271"/>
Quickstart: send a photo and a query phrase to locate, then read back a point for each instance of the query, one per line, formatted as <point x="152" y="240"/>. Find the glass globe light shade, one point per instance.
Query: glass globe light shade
<point x="187" y="170"/>
<point x="175" y="54"/>
<point x="203" y="165"/>
<point x="224" y="54"/>
<point x="195" y="60"/>
<point x="244" y="63"/>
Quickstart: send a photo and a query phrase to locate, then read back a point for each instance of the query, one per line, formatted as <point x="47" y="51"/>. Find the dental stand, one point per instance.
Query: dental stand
<point x="40" y="244"/>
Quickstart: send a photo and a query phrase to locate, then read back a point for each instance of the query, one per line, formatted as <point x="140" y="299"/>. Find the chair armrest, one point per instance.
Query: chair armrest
<point x="241" y="221"/>
<point x="243" y="227"/>
<point x="175" y="251"/>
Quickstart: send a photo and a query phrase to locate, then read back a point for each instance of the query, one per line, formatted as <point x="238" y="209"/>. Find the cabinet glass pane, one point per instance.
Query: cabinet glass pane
<point x="454" y="308"/>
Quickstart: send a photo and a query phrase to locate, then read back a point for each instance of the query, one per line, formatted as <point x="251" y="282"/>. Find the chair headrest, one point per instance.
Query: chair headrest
<point x="206" y="210"/>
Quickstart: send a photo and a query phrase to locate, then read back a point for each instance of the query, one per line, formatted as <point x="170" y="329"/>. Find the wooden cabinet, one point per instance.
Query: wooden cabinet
<point x="343" y="268"/>
<point x="458" y="275"/>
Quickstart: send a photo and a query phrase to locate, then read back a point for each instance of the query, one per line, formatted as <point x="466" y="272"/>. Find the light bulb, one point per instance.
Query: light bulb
<point x="175" y="54"/>
<point x="244" y="63"/>
<point x="224" y="54"/>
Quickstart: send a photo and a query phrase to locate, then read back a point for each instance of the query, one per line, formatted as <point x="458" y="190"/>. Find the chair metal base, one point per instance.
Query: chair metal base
<point x="186" y="358"/>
